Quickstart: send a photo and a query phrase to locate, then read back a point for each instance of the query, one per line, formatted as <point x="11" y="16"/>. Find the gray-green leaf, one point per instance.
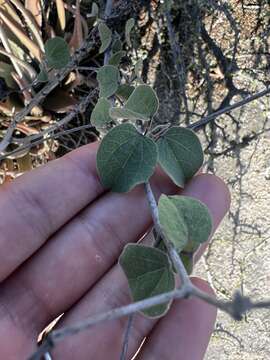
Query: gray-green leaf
<point x="100" y="115"/>
<point x="187" y="259"/>
<point x="129" y="26"/>
<point x="117" y="46"/>
<point x="105" y="34"/>
<point x="116" y="58"/>
<point x="95" y="10"/>
<point x="42" y="76"/>
<point x="180" y="154"/>
<point x="57" y="52"/>
<point x="125" y="158"/>
<point x="108" y="78"/>
<point x="197" y="218"/>
<point x="149" y="273"/>
<point x="141" y="104"/>
<point x="124" y="91"/>
<point x="172" y="222"/>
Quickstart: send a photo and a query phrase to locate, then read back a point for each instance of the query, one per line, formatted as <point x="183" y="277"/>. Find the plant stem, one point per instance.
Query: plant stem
<point x="205" y="120"/>
<point x="124" y="351"/>
<point x="177" y="262"/>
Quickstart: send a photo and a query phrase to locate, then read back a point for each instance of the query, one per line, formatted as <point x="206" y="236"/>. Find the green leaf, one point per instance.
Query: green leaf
<point x="43" y="75"/>
<point x="129" y="26"/>
<point x="142" y="104"/>
<point x="197" y="218"/>
<point x="172" y="222"/>
<point x="125" y="158"/>
<point x="149" y="273"/>
<point x="100" y="115"/>
<point x="187" y="260"/>
<point x="105" y="34"/>
<point x="57" y="52"/>
<point x="180" y="154"/>
<point x="116" y="58"/>
<point x="108" y="78"/>
<point x="117" y="46"/>
<point x="95" y="10"/>
<point x="124" y="91"/>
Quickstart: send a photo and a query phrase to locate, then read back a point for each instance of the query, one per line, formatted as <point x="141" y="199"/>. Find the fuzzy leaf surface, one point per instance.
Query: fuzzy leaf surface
<point x="42" y="75"/>
<point x="105" y="34"/>
<point x="149" y="273"/>
<point x="172" y="222"/>
<point x="117" y="46"/>
<point x="197" y="218"/>
<point x="108" y="77"/>
<point x="187" y="260"/>
<point x="125" y="158"/>
<point x="57" y="52"/>
<point x="124" y="91"/>
<point x="116" y="58"/>
<point x="100" y="115"/>
<point x="142" y="104"/>
<point x="180" y="154"/>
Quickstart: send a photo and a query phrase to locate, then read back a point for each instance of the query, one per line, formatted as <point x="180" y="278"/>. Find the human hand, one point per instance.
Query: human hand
<point x="61" y="235"/>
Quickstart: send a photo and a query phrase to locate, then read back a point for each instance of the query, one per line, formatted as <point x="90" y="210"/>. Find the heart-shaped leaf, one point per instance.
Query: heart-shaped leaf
<point x="125" y="158"/>
<point x="172" y="222"/>
<point x="57" y="52"/>
<point x="108" y="78"/>
<point x="105" y="34"/>
<point x="180" y="154"/>
<point x="142" y="104"/>
<point x="129" y="26"/>
<point x="100" y="115"/>
<point x="149" y="273"/>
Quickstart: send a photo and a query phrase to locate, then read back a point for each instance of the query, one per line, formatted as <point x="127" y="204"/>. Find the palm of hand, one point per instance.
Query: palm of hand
<point x="60" y="240"/>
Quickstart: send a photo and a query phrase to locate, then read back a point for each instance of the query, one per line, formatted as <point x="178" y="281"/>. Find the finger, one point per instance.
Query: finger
<point x="104" y="340"/>
<point x="76" y="257"/>
<point x="213" y="206"/>
<point x="184" y="333"/>
<point x="35" y="205"/>
<point x="111" y="291"/>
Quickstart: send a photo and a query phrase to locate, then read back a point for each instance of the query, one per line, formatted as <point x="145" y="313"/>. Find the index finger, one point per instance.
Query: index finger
<point x="37" y="204"/>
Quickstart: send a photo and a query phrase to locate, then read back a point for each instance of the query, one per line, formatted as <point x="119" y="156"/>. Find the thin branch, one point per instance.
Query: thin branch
<point x="205" y="120"/>
<point x="236" y="308"/>
<point x="39" y="141"/>
<point x="124" y="351"/>
<point x="56" y="336"/>
<point x="171" y="249"/>
<point x="44" y="135"/>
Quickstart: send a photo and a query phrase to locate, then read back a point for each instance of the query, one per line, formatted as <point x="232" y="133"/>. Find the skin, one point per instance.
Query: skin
<point x="61" y="235"/>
